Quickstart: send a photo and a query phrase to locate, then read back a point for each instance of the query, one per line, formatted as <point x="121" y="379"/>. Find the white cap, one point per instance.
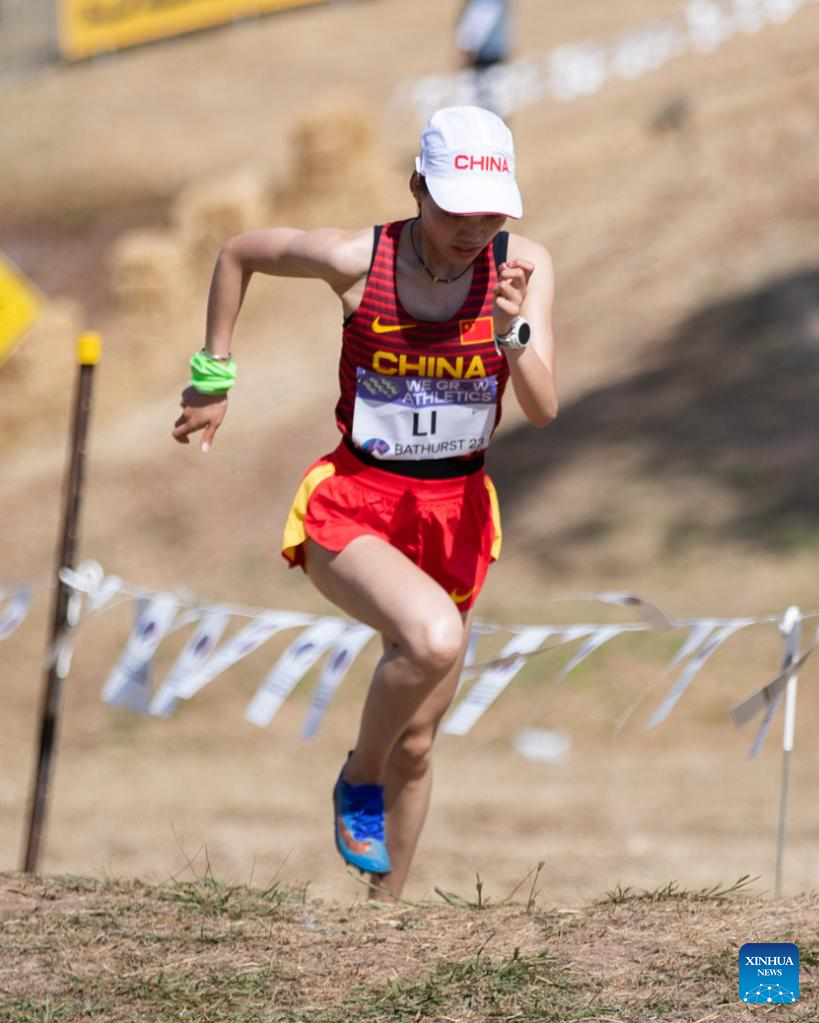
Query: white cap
<point x="468" y="161"/>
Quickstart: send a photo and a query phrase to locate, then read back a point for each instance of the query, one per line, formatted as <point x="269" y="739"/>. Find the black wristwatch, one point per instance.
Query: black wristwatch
<point x="516" y="337"/>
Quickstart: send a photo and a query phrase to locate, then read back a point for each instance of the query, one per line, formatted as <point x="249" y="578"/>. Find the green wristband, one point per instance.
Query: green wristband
<point x="212" y="376"/>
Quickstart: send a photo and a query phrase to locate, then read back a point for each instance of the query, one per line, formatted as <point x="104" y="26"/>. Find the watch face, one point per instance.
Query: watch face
<point x="524" y="332"/>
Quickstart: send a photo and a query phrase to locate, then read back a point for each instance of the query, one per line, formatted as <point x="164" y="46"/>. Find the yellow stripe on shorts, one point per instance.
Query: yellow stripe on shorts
<point x="496" y="519"/>
<point x="294" y="531"/>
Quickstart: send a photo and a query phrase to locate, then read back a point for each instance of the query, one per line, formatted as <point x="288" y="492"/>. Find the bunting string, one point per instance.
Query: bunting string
<point x="207" y="654"/>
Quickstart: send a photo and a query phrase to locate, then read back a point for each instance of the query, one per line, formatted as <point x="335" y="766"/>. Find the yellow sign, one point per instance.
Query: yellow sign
<point x="95" y="26"/>
<point x="19" y="307"/>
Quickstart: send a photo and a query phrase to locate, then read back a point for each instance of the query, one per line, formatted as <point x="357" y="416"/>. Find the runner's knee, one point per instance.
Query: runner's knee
<point x="435" y="643"/>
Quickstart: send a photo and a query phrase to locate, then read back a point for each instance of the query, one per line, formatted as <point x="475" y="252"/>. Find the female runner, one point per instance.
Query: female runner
<point x="399" y="524"/>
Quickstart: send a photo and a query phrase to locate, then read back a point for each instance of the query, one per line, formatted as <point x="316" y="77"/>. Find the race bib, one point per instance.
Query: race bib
<point x="411" y="418"/>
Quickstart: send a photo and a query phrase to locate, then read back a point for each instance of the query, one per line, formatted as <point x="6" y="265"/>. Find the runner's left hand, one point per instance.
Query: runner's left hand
<point x="510" y="292"/>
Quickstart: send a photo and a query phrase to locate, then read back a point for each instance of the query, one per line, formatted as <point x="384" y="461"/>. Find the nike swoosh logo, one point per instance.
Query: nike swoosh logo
<point x="459" y="598"/>
<point x="388" y="328"/>
<point x="360" y="848"/>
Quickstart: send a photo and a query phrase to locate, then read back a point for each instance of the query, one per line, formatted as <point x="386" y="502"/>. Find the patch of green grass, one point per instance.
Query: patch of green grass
<point x="217" y="996"/>
<point x="452" y="899"/>
<point x="535" y="989"/>
<point x="618" y="895"/>
<point x="70" y="883"/>
<point x="233" y="997"/>
<point x="36" y="1011"/>
<point x="217" y="899"/>
<point x="662" y="1008"/>
<point x="721" y="967"/>
<point x="808" y="954"/>
<point x="529" y="886"/>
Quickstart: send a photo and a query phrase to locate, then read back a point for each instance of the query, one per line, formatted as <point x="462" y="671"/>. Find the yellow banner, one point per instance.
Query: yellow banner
<point x="95" y="26"/>
<point x="19" y="307"/>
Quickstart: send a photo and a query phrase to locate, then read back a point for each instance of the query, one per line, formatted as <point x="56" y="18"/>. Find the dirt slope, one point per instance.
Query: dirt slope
<point x="75" y="949"/>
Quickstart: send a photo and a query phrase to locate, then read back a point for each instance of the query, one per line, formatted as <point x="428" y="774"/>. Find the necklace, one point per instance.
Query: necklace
<point x="435" y="278"/>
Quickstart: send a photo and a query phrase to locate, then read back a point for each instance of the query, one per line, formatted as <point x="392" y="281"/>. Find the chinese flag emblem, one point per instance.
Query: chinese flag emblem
<point x="477" y="332"/>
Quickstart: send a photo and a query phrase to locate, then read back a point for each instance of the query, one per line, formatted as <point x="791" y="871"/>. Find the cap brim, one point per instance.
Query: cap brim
<point x="471" y="198"/>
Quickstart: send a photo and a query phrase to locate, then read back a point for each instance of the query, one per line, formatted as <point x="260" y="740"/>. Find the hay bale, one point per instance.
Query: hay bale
<point x="207" y="212"/>
<point x="334" y="140"/>
<point x="147" y="271"/>
<point x="337" y="173"/>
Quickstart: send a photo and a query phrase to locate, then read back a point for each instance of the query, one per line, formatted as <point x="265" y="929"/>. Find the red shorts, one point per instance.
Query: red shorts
<point x="450" y="528"/>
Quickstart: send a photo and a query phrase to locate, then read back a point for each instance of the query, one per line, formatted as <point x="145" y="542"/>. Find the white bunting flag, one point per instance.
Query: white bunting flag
<point x="495" y="679"/>
<point x="472" y="666"/>
<point x="90" y="579"/>
<point x="700" y="631"/>
<point x="202" y="659"/>
<point x="765" y="725"/>
<point x="651" y="613"/>
<point x="597" y="637"/>
<point x="196" y="652"/>
<point x="91" y="591"/>
<point x="748" y="708"/>
<point x="15" y="611"/>
<point x="471" y="669"/>
<point x="62" y="651"/>
<point x="472" y="647"/>
<point x="129" y="681"/>
<point x="257" y="631"/>
<point x="696" y="637"/>
<point x="291" y="667"/>
<point x="562" y="633"/>
<point x="110" y="587"/>
<point x="348" y="646"/>
<point x="791" y="629"/>
<point x="594" y="642"/>
<point x="138" y="694"/>
<point x="688" y="673"/>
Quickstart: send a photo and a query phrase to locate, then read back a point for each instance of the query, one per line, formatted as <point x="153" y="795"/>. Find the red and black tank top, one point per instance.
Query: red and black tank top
<point x="421" y="398"/>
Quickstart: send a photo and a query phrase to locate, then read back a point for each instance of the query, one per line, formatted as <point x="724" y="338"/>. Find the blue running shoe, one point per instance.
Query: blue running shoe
<point x="359" y="826"/>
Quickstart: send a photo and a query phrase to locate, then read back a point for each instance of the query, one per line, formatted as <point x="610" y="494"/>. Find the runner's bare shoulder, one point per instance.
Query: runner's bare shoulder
<point x="343" y="256"/>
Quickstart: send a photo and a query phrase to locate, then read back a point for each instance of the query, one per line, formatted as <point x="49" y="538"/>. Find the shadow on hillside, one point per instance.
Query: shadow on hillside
<point x="731" y="396"/>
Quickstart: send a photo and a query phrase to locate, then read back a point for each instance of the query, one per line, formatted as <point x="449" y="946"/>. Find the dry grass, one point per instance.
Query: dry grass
<point x="76" y="949"/>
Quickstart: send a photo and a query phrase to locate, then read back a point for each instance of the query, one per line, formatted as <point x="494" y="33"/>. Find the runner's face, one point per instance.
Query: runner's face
<point x="458" y="238"/>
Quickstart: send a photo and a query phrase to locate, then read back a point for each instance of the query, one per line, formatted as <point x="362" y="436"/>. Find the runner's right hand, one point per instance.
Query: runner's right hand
<point x="199" y="412"/>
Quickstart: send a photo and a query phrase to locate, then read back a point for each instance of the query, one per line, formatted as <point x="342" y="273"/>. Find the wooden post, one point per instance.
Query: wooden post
<point x="88" y="354"/>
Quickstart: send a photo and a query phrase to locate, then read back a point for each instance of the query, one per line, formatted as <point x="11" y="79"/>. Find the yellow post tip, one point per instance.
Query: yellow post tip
<point x="89" y="348"/>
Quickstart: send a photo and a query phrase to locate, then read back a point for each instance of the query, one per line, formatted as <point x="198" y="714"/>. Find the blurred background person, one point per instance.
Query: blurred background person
<point x="483" y="36"/>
